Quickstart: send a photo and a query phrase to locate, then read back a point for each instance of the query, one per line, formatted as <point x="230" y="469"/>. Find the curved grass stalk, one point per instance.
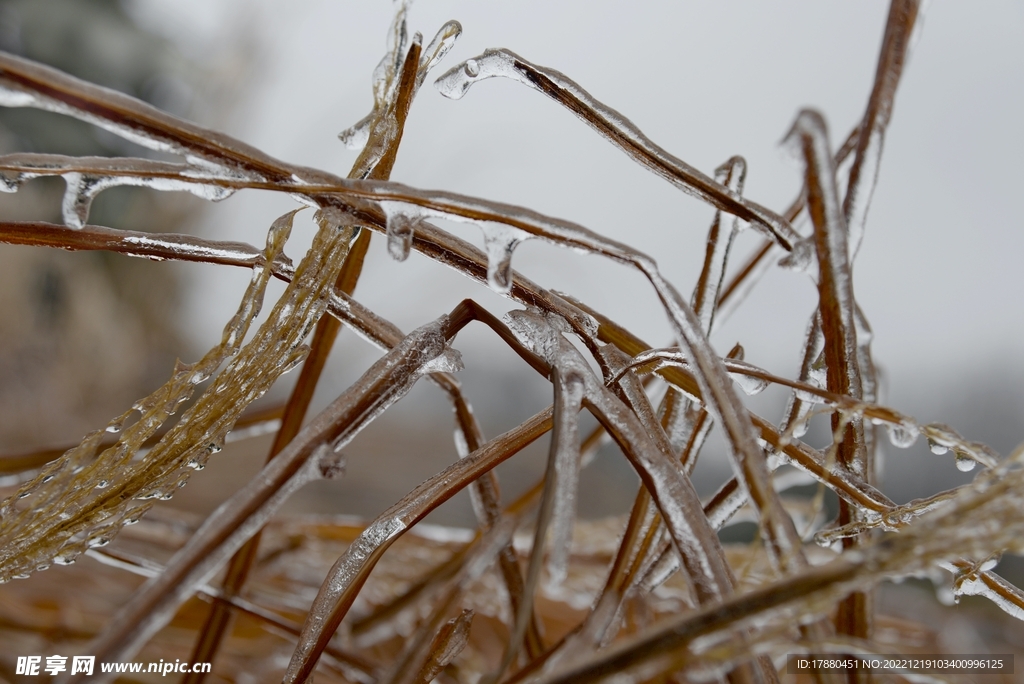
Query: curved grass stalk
<point x="241" y="516"/>
<point x="617" y="129"/>
<point x="118" y="489"/>
<point x="376" y="161"/>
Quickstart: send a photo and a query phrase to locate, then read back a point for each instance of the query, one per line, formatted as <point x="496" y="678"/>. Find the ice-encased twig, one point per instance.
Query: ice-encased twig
<point x="349" y="573"/>
<point x="864" y="173"/>
<point x="835" y="283"/>
<point x="672" y="491"/>
<point x="345" y="663"/>
<point x="557" y="506"/>
<point x="225" y="530"/>
<point x="68" y="514"/>
<point x="980" y="521"/>
<point x="837" y="310"/>
<point x="376" y="161"/>
<point x="616" y="128"/>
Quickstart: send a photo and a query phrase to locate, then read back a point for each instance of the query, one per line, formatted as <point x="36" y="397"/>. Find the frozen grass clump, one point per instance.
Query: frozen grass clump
<point x="534" y="594"/>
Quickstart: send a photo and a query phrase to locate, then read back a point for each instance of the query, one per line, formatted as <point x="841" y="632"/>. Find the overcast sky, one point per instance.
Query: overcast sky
<point x="938" y="274"/>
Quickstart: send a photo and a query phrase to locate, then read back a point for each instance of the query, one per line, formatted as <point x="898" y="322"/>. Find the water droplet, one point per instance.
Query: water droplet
<point x="43" y="566"/>
<point x="400" y="229"/>
<point x="97" y="542"/>
<point x="456" y="82"/>
<point x="102" y="484"/>
<point x="214" y="448"/>
<point x="936" y="448"/>
<point x="902" y="436"/>
<point x="965" y="463"/>
<point x="65" y="559"/>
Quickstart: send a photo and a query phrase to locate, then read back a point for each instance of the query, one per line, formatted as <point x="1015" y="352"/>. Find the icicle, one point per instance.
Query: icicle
<point x="456" y="82"/>
<point x="400" y="229"/>
<point x="750" y="384"/>
<point x="448" y="361"/>
<point x="499" y="243"/>
<point x="78" y="198"/>
<point x="442" y="43"/>
<point x="356" y="136"/>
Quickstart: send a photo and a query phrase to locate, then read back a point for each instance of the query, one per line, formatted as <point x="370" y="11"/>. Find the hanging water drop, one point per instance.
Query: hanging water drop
<point x="964" y="463"/>
<point x="472" y="68"/>
<point x="78" y="196"/>
<point x="936" y="448"/>
<point x="499" y="243"/>
<point x="902" y="436"/>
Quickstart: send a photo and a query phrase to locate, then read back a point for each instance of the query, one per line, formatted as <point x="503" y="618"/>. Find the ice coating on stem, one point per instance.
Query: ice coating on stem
<point x="443" y="41"/>
<point x="312" y="454"/>
<point x="153" y="606"/>
<point x="27" y="84"/>
<point x="970" y="528"/>
<point x="899" y="31"/>
<point x="724" y="405"/>
<point x="86" y="177"/>
<point x="58" y="496"/>
<point x="733" y="175"/>
<point x="616" y="128"/>
<point x="564" y="471"/>
<point x="671" y="490"/>
<point x="350" y="571"/>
